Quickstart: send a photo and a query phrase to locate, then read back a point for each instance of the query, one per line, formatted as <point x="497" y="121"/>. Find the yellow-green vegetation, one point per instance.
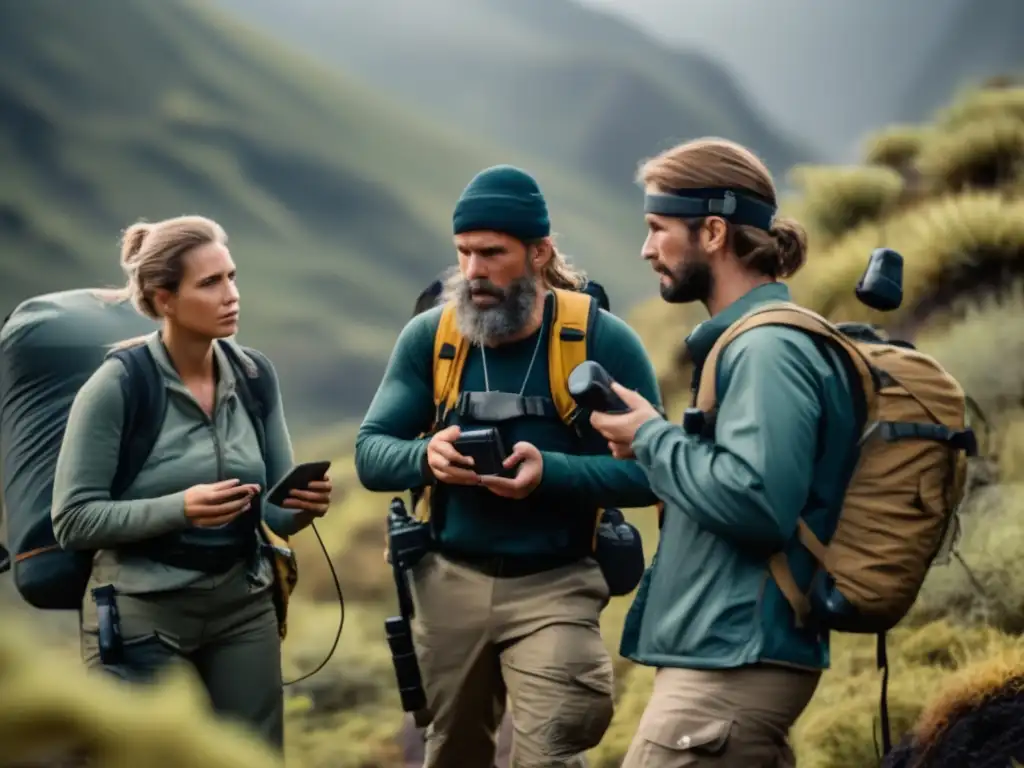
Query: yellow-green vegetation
<point x="835" y="200"/>
<point x="895" y="146"/>
<point x="52" y="711"/>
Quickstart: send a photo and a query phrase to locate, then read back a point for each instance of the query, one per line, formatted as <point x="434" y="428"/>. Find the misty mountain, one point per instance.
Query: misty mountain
<point x="834" y="71"/>
<point x="984" y="39"/>
<point x="578" y="87"/>
<point x="336" y="201"/>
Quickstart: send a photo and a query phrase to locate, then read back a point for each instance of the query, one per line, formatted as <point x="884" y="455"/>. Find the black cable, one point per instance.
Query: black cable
<point x="341" y="619"/>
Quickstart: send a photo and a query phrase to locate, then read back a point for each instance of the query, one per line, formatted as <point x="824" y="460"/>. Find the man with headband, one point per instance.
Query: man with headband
<point x="735" y="668"/>
<point x="507" y="603"/>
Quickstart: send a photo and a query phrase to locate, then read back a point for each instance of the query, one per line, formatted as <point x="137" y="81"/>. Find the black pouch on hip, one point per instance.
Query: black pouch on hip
<point x="108" y="622"/>
<point x="619" y="552"/>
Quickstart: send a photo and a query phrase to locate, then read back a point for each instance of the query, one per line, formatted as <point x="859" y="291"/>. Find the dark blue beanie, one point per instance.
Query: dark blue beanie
<point x="503" y="199"/>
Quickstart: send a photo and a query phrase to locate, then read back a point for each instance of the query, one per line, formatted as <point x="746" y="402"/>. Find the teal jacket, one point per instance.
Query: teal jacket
<point x="783" y="448"/>
<point x="579" y="474"/>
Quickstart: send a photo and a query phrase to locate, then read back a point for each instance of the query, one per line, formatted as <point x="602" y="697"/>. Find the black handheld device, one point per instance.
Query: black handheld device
<point x="485" y="447"/>
<point x="108" y="624"/>
<point x="300" y="476"/>
<point x="591" y="387"/>
<point x="881" y="285"/>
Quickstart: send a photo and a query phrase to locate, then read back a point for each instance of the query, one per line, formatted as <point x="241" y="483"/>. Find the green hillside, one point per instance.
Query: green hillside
<point x="337" y="202"/>
<point x="577" y="86"/>
<point x="956" y="215"/>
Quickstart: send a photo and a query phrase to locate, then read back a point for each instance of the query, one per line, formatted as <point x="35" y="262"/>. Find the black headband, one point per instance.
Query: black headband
<point x="736" y="206"/>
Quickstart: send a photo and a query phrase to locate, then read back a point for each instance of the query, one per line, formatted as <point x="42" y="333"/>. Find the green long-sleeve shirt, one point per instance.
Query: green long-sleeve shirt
<point x="191" y="449"/>
<point x="579" y="475"/>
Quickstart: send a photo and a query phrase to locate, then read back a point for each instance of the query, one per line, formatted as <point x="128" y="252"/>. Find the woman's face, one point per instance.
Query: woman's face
<point x="206" y="303"/>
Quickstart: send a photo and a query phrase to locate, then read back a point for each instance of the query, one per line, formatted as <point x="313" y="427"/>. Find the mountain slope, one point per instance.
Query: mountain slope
<point x="578" y="86"/>
<point x="978" y="43"/>
<point x="337" y="202"/>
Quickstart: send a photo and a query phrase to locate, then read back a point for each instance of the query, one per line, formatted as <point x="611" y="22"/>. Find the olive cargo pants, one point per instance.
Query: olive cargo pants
<point x="532" y="640"/>
<point x="721" y="718"/>
<point x="228" y="634"/>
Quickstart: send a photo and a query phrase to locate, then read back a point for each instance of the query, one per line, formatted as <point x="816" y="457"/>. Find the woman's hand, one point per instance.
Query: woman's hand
<point x="212" y="504"/>
<point x="314" y="499"/>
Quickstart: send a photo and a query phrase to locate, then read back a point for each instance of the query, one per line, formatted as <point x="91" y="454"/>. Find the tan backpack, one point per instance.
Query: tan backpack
<point x="902" y="501"/>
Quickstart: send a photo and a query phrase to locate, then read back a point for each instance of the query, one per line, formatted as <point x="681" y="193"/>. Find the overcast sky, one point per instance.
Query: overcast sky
<point x="787" y="53"/>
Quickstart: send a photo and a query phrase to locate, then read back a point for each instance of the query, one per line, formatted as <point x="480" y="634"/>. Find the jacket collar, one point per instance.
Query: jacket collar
<point x="703" y="337"/>
<point x="225" y="372"/>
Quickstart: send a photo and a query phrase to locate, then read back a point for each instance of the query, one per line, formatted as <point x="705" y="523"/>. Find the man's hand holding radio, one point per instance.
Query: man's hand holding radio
<point x="527" y="458"/>
<point x="444" y="460"/>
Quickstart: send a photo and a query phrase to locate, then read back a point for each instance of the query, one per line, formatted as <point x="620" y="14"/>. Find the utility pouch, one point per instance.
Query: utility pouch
<point x="619" y="550"/>
<point x="108" y="622"/>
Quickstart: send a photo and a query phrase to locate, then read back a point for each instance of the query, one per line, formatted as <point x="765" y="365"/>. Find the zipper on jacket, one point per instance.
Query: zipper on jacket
<point x="211" y="422"/>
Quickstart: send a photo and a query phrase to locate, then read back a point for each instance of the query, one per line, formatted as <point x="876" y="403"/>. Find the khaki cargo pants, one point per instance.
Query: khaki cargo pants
<point x="532" y="640"/>
<point x="223" y="628"/>
<point x="729" y="718"/>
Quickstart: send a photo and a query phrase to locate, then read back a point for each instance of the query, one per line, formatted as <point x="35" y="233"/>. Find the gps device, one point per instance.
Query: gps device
<point x="591" y="387"/>
<point x="300" y="476"/>
<point x="485" y="447"/>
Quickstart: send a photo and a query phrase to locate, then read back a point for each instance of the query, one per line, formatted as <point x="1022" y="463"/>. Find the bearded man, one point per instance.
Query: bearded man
<point x="507" y="603"/>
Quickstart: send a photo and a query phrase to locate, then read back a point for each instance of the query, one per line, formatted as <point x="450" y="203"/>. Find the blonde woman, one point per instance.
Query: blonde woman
<point x="182" y="564"/>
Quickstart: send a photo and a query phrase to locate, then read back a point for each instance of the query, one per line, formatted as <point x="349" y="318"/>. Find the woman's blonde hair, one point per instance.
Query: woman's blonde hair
<point x="713" y="162"/>
<point x="153" y="255"/>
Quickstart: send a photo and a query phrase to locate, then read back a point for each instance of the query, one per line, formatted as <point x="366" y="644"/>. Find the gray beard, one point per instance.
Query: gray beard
<point x="494" y="324"/>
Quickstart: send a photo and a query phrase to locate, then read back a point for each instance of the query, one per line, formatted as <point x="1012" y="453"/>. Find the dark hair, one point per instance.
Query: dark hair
<point x="598" y="292"/>
<point x="428" y="297"/>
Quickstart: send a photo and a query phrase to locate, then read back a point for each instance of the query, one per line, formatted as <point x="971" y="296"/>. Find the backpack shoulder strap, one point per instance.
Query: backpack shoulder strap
<point x="255" y="379"/>
<point x="573" y="319"/>
<point x="450" y="351"/>
<point x="794" y="316"/>
<point x="145" y="400"/>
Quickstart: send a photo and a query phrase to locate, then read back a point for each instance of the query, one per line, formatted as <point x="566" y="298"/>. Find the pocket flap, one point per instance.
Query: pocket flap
<point x="682" y="731"/>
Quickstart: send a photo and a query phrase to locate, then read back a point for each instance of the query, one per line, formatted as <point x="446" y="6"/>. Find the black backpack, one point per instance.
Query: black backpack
<point x="46" y="576"/>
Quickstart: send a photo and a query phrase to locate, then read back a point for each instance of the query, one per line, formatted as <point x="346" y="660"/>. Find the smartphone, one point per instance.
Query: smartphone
<point x="300" y="476"/>
<point x="485" y="447"/>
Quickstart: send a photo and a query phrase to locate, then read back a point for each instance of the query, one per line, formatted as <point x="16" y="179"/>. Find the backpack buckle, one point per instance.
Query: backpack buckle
<point x="694" y="421"/>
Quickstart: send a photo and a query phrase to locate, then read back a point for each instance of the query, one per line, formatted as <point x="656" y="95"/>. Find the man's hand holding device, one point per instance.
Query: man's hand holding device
<point x="306" y="489"/>
<point x="616" y="412"/>
<point x="478" y="457"/>
<point x="445" y="461"/>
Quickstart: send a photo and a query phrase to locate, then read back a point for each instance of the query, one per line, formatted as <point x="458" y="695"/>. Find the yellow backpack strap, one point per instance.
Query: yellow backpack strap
<point x="568" y="345"/>
<point x="567" y="348"/>
<point x="450" y="350"/>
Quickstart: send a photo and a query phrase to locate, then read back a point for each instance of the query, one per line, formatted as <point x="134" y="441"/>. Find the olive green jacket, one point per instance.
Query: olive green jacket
<point x="191" y="449"/>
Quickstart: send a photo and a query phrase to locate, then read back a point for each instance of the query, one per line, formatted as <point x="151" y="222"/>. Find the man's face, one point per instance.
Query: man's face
<point x="496" y="286"/>
<point x="676" y="254"/>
